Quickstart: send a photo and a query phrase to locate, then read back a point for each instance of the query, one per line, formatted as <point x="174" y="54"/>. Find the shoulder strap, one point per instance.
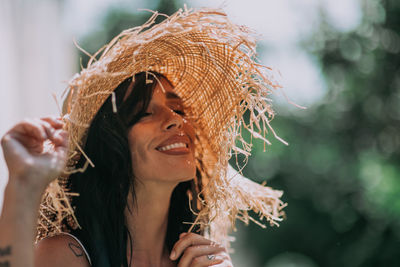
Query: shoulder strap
<point x="80" y="243"/>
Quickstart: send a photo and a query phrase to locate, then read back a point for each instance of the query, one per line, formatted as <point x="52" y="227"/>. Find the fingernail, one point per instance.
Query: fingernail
<point x="182" y="234"/>
<point x="173" y="254"/>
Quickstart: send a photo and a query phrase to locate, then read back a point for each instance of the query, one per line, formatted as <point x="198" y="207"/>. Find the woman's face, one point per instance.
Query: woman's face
<point x="161" y="142"/>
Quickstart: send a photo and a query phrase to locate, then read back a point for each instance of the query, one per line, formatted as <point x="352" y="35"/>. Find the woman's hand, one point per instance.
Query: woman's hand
<point x="29" y="161"/>
<point x="199" y="251"/>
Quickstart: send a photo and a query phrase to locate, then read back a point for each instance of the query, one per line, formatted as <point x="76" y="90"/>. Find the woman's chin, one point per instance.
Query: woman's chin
<point x="180" y="171"/>
<point x="182" y="176"/>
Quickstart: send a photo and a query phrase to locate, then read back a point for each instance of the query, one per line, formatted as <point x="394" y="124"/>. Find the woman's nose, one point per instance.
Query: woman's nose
<point x="172" y="120"/>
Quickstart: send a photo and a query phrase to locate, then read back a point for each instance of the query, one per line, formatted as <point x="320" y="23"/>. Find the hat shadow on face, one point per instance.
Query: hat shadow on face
<point x="162" y="141"/>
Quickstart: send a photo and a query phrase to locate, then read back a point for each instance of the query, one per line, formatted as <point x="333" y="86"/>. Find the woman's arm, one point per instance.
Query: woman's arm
<point x="17" y="225"/>
<point x="31" y="168"/>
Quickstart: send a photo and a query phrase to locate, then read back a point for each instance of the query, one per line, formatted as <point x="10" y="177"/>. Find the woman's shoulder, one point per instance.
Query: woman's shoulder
<point x="60" y="250"/>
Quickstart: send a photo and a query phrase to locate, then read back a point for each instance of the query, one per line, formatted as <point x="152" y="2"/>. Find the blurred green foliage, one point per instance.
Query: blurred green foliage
<point x="341" y="172"/>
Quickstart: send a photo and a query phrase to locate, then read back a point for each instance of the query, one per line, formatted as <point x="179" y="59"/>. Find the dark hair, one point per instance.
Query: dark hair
<point x="103" y="190"/>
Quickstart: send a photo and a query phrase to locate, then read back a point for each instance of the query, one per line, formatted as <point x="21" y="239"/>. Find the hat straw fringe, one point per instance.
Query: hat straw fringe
<point x="197" y="49"/>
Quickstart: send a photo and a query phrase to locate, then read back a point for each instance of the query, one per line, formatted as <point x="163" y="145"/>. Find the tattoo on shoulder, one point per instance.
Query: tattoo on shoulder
<point x="77" y="250"/>
<point x="5" y="264"/>
<point x="6" y="251"/>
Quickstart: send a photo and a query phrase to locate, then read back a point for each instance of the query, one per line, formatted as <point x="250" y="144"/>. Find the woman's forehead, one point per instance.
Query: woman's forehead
<point x="164" y="87"/>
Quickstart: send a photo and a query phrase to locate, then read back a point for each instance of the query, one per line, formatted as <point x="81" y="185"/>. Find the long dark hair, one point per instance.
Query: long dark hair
<point x="103" y="190"/>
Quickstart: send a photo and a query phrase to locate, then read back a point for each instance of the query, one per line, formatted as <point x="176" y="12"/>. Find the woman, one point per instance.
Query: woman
<point x="150" y="126"/>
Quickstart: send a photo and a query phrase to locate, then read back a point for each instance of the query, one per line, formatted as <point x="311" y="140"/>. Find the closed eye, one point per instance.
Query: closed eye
<point x="180" y="112"/>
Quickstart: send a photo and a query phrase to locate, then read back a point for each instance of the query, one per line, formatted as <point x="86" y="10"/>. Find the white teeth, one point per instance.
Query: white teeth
<point x="171" y="146"/>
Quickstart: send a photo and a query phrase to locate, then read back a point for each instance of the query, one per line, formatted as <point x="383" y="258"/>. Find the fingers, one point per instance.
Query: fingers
<point x="27" y="138"/>
<point x="56" y="123"/>
<point x="59" y="138"/>
<point x="206" y="261"/>
<point x="12" y="148"/>
<point x="185" y="241"/>
<point x="51" y="132"/>
<point x="63" y="136"/>
<point x="35" y="151"/>
<point x="28" y="128"/>
<point x="204" y="255"/>
<point x="195" y="250"/>
<point x="61" y="151"/>
<point x="55" y="132"/>
<point x="40" y="130"/>
<point x="28" y="134"/>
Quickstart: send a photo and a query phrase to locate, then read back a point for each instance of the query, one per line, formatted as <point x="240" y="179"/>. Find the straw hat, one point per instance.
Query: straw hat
<point x="211" y="62"/>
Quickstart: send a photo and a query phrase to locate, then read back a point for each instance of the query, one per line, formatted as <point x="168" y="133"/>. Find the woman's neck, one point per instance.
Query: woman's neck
<point x="147" y="221"/>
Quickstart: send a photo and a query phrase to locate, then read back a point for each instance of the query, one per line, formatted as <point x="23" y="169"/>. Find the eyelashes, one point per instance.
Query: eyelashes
<point x="179" y="112"/>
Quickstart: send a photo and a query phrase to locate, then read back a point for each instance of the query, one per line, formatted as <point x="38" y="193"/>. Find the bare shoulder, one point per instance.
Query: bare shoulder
<point x="60" y="251"/>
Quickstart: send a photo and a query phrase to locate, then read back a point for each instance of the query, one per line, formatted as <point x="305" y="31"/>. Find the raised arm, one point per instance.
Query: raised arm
<point x="31" y="168"/>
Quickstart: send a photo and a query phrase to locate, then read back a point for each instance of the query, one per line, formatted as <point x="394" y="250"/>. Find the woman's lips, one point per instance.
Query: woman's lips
<point x="175" y="149"/>
<point x="175" y="145"/>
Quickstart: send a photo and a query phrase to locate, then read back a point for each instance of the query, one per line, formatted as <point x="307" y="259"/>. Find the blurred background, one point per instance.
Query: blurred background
<point x="339" y="58"/>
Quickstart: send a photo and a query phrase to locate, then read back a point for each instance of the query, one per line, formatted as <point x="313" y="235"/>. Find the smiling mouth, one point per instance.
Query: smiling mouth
<point x="172" y="147"/>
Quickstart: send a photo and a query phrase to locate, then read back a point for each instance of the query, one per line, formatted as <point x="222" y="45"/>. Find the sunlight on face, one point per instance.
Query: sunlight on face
<point x="162" y="142"/>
